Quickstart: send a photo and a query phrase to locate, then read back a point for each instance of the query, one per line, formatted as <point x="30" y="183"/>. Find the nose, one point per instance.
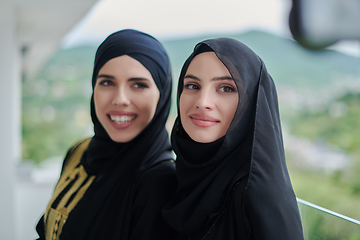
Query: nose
<point x="205" y="100"/>
<point x="121" y="97"/>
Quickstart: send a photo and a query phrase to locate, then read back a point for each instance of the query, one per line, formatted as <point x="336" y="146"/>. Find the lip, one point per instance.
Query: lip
<point x="203" y="120"/>
<point x="121" y="114"/>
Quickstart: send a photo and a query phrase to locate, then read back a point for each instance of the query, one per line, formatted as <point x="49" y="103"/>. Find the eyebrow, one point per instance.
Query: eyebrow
<point x="139" y="79"/>
<point x="131" y="79"/>
<point x="222" y="78"/>
<point x="214" y="79"/>
<point x="105" y="76"/>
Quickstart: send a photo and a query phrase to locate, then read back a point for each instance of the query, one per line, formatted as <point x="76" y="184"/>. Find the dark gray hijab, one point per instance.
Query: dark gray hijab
<point x="252" y="148"/>
<point x="105" y="210"/>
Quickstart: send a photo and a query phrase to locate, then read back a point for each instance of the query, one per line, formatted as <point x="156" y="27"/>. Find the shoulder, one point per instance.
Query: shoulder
<point x="158" y="180"/>
<point x="158" y="172"/>
<point x="77" y="149"/>
<point x="80" y="145"/>
<point x="163" y="167"/>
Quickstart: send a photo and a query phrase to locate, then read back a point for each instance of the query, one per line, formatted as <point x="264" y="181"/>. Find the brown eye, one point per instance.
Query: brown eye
<point x="140" y="85"/>
<point x="191" y="86"/>
<point x="106" y="83"/>
<point x="227" y="89"/>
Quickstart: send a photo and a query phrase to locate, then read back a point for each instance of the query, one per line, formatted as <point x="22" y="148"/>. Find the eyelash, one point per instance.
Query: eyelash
<point x="191" y="86"/>
<point x="232" y="89"/>
<point x="224" y="88"/>
<point x="106" y="83"/>
<point x="137" y="85"/>
<point x="140" y="85"/>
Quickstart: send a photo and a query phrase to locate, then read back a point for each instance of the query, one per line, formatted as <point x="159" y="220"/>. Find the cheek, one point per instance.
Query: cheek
<point x="102" y="101"/>
<point x="229" y="109"/>
<point x="185" y="103"/>
<point x="149" y="103"/>
<point x="153" y="105"/>
<point x="100" y="98"/>
<point x="97" y="101"/>
<point x="182" y="107"/>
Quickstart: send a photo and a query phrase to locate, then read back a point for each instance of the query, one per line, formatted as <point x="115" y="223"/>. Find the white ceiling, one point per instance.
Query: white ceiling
<point x="41" y="24"/>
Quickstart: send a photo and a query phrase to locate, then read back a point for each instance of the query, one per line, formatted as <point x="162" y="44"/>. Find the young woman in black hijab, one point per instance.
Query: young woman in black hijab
<point x="233" y="179"/>
<point x="113" y="185"/>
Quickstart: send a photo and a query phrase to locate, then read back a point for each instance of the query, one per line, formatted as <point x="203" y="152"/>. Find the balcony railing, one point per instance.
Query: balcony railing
<point x="322" y="224"/>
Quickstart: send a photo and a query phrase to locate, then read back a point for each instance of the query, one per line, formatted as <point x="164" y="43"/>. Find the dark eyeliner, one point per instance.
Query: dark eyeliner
<point x="140" y="85"/>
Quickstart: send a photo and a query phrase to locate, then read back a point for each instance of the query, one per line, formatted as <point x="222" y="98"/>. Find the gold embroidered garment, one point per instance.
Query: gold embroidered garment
<point x="71" y="187"/>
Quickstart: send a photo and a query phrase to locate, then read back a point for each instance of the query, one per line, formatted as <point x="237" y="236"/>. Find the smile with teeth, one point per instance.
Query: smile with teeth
<point x="122" y="119"/>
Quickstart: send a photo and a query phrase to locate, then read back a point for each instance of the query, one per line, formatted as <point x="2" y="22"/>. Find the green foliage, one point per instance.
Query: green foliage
<point x="354" y="176"/>
<point x="324" y="226"/>
<point x="56" y="104"/>
<point x="336" y="123"/>
<point x="321" y="190"/>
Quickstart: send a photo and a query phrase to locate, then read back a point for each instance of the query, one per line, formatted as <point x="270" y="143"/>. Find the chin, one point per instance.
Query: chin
<point x="122" y="138"/>
<point x="203" y="139"/>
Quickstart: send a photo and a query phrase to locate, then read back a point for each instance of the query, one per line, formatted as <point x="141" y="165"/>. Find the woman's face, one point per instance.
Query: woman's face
<point x="125" y="97"/>
<point x="209" y="99"/>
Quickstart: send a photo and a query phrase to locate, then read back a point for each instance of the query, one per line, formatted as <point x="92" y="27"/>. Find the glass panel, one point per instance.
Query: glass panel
<point x="322" y="224"/>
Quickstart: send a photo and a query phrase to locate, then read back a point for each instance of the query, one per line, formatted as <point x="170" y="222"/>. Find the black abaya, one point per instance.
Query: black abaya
<point x="243" y="191"/>
<point x="127" y="183"/>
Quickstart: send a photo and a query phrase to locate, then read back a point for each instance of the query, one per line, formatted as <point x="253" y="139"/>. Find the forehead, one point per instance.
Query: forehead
<point x="124" y="65"/>
<point x="207" y="64"/>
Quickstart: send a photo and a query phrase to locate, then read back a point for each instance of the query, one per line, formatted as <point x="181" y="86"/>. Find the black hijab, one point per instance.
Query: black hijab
<point x="252" y="147"/>
<point x="105" y="209"/>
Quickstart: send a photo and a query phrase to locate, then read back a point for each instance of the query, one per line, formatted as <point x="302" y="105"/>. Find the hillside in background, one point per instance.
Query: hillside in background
<point x="288" y="63"/>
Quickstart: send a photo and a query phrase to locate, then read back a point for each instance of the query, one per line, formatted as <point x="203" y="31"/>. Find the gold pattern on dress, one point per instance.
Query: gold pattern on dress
<point x="58" y="209"/>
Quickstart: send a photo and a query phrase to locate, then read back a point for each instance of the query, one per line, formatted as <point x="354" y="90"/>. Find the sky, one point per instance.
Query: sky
<point x="166" y="19"/>
<point x="170" y="18"/>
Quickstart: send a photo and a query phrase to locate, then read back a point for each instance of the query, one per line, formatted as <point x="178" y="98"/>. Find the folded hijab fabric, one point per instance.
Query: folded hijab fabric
<point x="130" y="182"/>
<point x="243" y="190"/>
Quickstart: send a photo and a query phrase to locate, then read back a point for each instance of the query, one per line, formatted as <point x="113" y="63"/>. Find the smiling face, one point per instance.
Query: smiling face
<point x="125" y="97"/>
<point x="209" y="99"/>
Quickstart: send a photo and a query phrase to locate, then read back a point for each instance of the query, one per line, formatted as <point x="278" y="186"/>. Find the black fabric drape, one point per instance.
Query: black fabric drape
<point x="252" y="148"/>
<point x="106" y="210"/>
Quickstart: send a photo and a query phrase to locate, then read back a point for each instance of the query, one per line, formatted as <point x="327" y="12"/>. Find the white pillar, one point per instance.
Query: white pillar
<point x="10" y="117"/>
